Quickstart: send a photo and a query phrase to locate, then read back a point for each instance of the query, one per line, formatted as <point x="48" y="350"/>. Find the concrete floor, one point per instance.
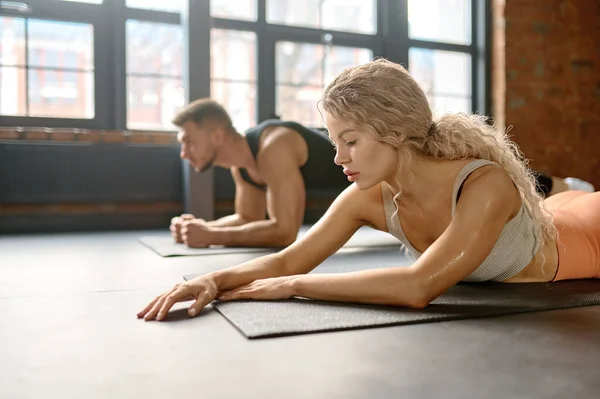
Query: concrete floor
<point x="68" y="329"/>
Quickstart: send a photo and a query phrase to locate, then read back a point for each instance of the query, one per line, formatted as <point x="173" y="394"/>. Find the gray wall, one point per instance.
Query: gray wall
<point x="34" y="174"/>
<point x="38" y="173"/>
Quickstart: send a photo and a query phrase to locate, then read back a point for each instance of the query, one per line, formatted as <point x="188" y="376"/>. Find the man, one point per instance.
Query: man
<point x="272" y="165"/>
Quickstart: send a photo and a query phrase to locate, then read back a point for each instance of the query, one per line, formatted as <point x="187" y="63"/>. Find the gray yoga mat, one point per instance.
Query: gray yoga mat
<point x="262" y="319"/>
<point x="165" y="246"/>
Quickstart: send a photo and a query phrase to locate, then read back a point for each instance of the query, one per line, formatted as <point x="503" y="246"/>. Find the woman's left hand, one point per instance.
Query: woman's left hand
<point x="269" y="288"/>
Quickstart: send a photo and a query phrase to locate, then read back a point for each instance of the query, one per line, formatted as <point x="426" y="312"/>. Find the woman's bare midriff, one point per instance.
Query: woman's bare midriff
<point x="542" y="267"/>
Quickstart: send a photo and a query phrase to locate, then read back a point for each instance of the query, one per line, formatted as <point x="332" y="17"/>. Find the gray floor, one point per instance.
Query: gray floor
<point x="68" y="330"/>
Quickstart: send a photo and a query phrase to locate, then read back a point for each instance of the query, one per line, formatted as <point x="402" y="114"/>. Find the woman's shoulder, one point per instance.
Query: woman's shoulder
<point x="492" y="183"/>
<point x="365" y="205"/>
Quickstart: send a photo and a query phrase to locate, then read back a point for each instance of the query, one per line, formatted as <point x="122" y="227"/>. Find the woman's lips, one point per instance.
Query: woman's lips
<point x="352" y="176"/>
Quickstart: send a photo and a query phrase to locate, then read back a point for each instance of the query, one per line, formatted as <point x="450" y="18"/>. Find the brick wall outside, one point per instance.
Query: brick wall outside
<point x="552" y="77"/>
<point x="498" y="71"/>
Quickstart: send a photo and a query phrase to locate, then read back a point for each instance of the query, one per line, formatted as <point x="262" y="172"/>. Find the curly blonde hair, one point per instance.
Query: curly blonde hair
<point x="382" y="99"/>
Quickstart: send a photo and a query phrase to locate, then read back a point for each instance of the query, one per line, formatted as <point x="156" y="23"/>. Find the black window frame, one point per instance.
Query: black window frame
<point x="94" y="14"/>
<point x="391" y="41"/>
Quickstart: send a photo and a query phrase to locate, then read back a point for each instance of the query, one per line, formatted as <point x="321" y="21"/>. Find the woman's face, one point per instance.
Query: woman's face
<point x="366" y="161"/>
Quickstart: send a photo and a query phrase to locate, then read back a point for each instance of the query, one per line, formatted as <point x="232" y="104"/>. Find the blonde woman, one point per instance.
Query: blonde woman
<point x="454" y="191"/>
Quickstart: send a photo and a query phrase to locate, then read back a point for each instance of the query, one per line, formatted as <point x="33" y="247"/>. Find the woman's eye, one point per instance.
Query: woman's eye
<point x="351" y="143"/>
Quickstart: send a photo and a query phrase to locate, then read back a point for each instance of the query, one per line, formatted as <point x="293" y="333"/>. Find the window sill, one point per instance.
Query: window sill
<point x="87" y="135"/>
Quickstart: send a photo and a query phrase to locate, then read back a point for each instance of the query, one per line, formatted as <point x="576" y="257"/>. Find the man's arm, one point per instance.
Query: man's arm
<point x="250" y="204"/>
<point x="285" y="201"/>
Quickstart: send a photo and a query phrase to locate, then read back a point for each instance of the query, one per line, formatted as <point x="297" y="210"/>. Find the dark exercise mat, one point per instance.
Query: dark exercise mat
<point x="261" y="319"/>
<point x="165" y="246"/>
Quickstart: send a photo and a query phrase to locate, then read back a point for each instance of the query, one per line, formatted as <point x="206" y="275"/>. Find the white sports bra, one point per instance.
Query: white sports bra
<point x="514" y="249"/>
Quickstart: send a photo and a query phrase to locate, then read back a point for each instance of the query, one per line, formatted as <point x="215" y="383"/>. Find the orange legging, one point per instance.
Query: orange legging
<point x="577" y="218"/>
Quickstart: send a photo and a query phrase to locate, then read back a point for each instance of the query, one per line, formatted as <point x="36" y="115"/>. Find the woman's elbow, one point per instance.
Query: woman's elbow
<point x="417" y="299"/>
<point x="421" y="294"/>
<point x="413" y="301"/>
<point x="418" y="303"/>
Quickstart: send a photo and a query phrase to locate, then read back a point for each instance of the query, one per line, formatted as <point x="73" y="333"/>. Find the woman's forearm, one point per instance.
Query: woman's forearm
<point x="398" y="286"/>
<point x="264" y="267"/>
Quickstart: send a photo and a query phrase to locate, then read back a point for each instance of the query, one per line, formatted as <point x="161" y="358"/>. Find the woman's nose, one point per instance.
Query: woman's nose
<point x="340" y="157"/>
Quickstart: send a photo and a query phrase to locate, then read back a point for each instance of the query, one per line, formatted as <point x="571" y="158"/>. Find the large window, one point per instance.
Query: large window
<point x="339" y="15"/>
<point x="233" y="74"/>
<point x="302" y="72"/>
<point x="125" y="64"/>
<point x="445" y="76"/>
<point x="441" y="52"/>
<point x="238" y="9"/>
<point x="447" y="21"/>
<point x="46" y="68"/>
<point x="304" y="45"/>
<point x="13" y="68"/>
<point x="157" y="5"/>
<point x="154" y="74"/>
<point x="51" y="63"/>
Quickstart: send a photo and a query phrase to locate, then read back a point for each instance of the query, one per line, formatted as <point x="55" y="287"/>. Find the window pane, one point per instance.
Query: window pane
<point x="450" y="104"/>
<point x="238" y="9"/>
<point x="61" y="45"/>
<point x="12" y="91"/>
<point x="349" y="15"/>
<point x="154" y="48"/>
<point x="294" y="12"/>
<point x="440" y="20"/>
<point x="153" y="102"/>
<point x="158" y="5"/>
<point x="233" y="55"/>
<point x="340" y="58"/>
<point x="86" y="1"/>
<point x="441" y="72"/>
<point x="344" y="15"/>
<point x="239" y="99"/>
<point x="61" y="94"/>
<point x="299" y="63"/>
<point x="299" y="104"/>
<point x="12" y="39"/>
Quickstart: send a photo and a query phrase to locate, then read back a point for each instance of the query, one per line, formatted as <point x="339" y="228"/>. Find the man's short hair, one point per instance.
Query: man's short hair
<point x="204" y="110"/>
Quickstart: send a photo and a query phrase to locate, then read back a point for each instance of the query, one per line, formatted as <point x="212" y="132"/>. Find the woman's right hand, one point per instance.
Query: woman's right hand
<point x="201" y="289"/>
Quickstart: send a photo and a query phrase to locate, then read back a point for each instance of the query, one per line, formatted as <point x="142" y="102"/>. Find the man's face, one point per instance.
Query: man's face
<point x="197" y="146"/>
